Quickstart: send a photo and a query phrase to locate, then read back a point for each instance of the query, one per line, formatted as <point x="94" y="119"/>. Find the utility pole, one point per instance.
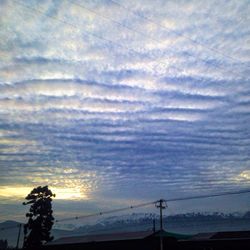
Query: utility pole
<point x="162" y="205"/>
<point x="18" y="237"/>
<point x="154" y="225"/>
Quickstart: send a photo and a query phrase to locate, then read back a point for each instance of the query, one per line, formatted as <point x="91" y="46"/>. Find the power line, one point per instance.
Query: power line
<point x="114" y="21"/>
<point x="152" y="203"/>
<point x="92" y="34"/>
<point x="19" y="227"/>
<point x="140" y="205"/>
<point x="207" y="196"/>
<point x="129" y="28"/>
<point x="11" y="227"/>
<point x="178" y="34"/>
<point x="97" y="36"/>
<point x="101" y="37"/>
<point x="107" y="212"/>
<point x="65" y="22"/>
<point x="217" y="17"/>
<point x="138" y="32"/>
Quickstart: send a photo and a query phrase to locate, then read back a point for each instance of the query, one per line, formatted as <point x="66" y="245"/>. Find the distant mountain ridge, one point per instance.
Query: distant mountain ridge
<point x="182" y="223"/>
<point x="144" y="221"/>
<point x="142" y="217"/>
<point x="9" y="230"/>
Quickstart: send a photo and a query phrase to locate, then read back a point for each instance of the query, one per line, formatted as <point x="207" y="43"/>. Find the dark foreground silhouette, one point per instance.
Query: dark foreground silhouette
<point x="148" y="240"/>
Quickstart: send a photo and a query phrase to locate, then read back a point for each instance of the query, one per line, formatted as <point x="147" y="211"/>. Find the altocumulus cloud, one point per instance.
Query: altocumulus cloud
<point x="124" y="101"/>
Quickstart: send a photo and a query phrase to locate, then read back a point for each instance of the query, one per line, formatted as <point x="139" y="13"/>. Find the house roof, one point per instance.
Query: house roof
<point x="203" y="236"/>
<point x="232" y="235"/>
<point x="165" y="234"/>
<point x="222" y="235"/>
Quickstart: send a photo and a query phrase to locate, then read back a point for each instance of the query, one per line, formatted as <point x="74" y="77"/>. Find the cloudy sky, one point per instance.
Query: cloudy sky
<point x="119" y="102"/>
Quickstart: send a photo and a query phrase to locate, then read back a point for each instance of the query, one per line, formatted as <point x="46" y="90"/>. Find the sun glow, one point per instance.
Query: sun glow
<point x="62" y="193"/>
<point x="68" y="193"/>
<point x="243" y="176"/>
<point x="67" y="183"/>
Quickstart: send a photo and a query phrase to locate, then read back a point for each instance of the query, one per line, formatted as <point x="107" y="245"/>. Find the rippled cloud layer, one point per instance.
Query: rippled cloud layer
<point x="128" y="100"/>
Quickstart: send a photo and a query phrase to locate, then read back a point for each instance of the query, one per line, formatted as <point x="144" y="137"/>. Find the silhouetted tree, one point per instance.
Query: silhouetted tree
<point x="40" y="222"/>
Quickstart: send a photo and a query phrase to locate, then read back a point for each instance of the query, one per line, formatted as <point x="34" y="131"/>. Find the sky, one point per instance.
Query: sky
<point x="118" y="102"/>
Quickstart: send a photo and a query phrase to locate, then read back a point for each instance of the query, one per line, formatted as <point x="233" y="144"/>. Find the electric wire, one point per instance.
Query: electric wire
<point x="159" y="62"/>
<point x="105" y="39"/>
<point x="178" y="34"/>
<point x="208" y="196"/>
<point x="141" y="205"/>
<point x="153" y="203"/>
<point x="11" y="227"/>
<point x="128" y="28"/>
<point x="149" y="20"/>
<point x="95" y="35"/>
<point x="218" y="17"/>
<point x="107" y="212"/>
<point x="65" y="22"/>
<point x="138" y="32"/>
